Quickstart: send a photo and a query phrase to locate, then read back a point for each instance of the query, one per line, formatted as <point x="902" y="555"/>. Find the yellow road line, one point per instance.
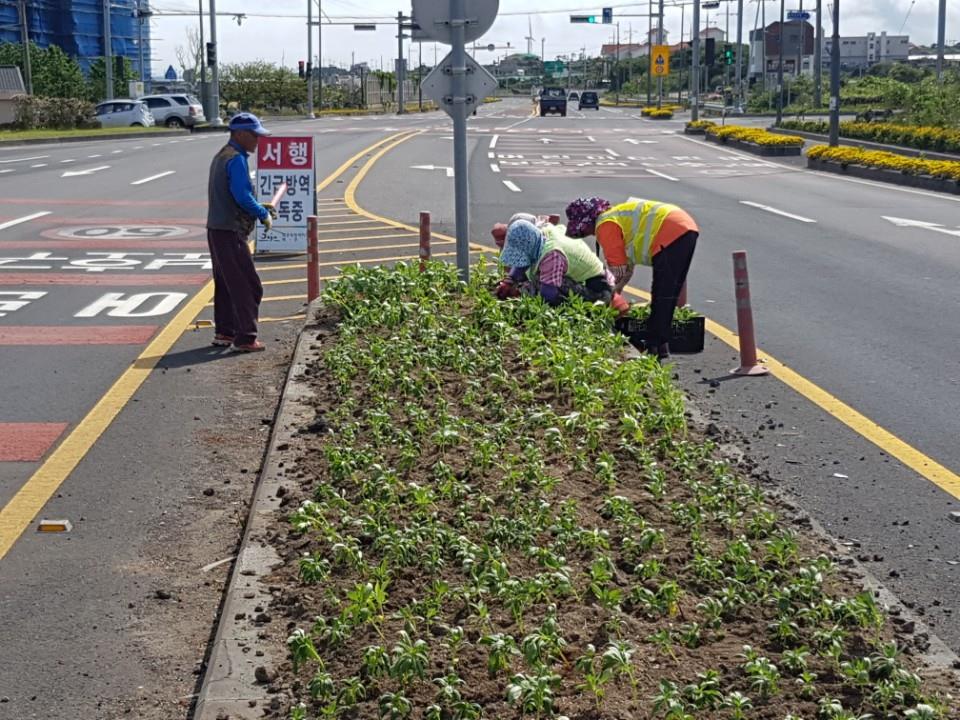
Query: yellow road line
<point x="345" y="222"/>
<point x="367" y="237"/>
<point x="327" y="217"/>
<point x="282" y="298"/>
<point x="23" y="507"/>
<point x="268" y="268"/>
<point x="17" y="514"/>
<point x="349" y="163"/>
<point x="922" y="464"/>
<point x="302" y="316"/>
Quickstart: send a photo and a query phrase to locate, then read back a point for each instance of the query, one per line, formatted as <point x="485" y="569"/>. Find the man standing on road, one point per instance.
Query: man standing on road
<point x="231" y="217"/>
<point x="646" y="232"/>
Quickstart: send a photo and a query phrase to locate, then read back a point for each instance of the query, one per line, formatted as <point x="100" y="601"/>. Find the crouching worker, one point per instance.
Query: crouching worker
<point x="554" y="266"/>
<point x="646" y="232"/>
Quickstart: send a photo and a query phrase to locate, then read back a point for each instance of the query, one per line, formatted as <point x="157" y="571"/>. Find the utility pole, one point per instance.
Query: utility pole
<point x="320" y="57"/>
<point x="739" y="105"/>
<point x="818" y="59"/>
<point x="802" y="46"/>
<point x="941" y="39"/>
<point x="310" y="59"/>
<point x="458" y="57"/>
<point x="25" y="39"/>
<point x="726" y="68"/>
<point x="660" y="42"/>
<point x="400" y="99"/>
<point x="616" y="65"/>
<point x="695" y="72"/>
<point x="107" y="50"/>
<point x="420" y="78"/>
<point x="683" y="55"/>
<point x="780" y="67"/>
<point x="204" y="95"/>
<point x="214" y="69"/>
<point x="835" y="78"/>
<point x="763" y="45"/>
<point x="141" y="14"/>
<point x="649" y="52"/>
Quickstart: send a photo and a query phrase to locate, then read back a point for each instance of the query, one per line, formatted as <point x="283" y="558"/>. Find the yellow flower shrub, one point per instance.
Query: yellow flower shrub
<point x="944" y="169"/>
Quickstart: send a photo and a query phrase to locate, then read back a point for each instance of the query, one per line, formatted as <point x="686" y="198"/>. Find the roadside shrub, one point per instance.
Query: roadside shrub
<point x="919" y="137"/>
<point x="701" y="124"/>
<point x="943" y="169"/>
<point x="40" y="113"/>
<point x="758" y="136"/>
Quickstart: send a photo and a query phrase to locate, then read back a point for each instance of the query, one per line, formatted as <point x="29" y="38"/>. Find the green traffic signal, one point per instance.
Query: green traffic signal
<point x="583" y="18"/>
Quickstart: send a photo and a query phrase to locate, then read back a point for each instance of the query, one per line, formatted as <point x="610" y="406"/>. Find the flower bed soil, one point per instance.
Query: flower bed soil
<point x="494" y="514"/>
<point x="895" y="177"/>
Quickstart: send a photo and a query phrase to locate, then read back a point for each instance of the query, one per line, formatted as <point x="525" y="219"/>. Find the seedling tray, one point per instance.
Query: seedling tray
<point x="686" y="337"/>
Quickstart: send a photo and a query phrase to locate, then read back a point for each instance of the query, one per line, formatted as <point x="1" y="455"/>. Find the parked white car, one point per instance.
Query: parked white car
<point x="175" y="110"/>
<point x="124" y="113"/>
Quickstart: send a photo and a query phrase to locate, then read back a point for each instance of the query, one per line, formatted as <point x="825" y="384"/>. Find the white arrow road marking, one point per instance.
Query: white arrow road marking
<point x="449" y="170"/>
<point x="511" y="186"/>
<point x="27" y="218"/>
<point x="88" y="171"/>
<point x="591" y="138"/>
<point x="663" y="175"/>
<point x="773" y="210"/>
<point x="546" y="141"/>
<point x="153" y="177"/>
<point x="26" y="159"/>
<point x="935" y="227"/>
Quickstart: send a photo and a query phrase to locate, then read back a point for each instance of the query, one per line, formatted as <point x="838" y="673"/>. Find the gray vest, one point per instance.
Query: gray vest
<point x="223" y="212"/>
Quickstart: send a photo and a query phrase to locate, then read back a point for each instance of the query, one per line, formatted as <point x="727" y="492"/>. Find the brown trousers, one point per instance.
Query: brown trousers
<point x="237" y="287"/>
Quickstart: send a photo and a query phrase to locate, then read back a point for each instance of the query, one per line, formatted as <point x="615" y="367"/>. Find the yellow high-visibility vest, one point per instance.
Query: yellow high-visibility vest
<point x="640" y="221"/>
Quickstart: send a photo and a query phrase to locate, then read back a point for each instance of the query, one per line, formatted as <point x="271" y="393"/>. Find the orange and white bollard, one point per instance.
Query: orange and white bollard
<point x="424" y="240"/>
<point x="748" y="342"/>
<point x="313" y="258"/>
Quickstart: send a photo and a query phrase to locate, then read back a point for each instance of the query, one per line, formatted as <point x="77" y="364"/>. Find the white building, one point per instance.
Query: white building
<point x="865" y="50"/>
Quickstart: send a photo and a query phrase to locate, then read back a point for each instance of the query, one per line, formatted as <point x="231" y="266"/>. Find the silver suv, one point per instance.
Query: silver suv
<point x="176" y="110"/>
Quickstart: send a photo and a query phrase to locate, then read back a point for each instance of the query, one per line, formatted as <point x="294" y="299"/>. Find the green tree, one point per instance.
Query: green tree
<point x="97" y="80"/>
<point x="55" y="74"/>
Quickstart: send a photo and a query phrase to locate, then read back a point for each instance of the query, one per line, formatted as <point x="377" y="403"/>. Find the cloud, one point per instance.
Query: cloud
<point x="285" y="39"/>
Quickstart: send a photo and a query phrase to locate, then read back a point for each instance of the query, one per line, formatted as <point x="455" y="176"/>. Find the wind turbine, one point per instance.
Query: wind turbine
<point x="529" y="38"/>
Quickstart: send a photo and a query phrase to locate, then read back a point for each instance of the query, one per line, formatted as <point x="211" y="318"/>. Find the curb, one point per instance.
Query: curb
<point x="867" y="144"/>
<point x="891" y="177"/>
<point x="92" y="138"/>
<point x="230" y="687"/>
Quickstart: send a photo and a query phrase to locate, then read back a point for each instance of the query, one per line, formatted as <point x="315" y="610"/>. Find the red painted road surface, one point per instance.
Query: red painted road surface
<point x="27" y="442"/>
<point x="76" y="335"/>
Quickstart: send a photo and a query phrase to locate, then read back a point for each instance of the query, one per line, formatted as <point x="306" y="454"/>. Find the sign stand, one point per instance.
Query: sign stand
<point x="458" y="85"/>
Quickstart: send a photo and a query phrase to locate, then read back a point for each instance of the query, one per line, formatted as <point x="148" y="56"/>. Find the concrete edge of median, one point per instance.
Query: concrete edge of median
<point x="230" y="687"/>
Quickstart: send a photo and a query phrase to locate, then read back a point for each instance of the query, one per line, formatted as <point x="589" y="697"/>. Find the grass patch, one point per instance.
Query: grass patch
<point x="493" y="514"/>
<point x="19" y="135"/>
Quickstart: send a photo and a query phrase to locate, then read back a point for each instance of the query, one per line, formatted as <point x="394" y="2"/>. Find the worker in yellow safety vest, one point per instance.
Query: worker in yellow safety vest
<point x="647" y="232"/>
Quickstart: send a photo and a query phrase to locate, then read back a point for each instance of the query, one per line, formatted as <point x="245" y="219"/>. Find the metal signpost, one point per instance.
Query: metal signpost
<point x="286" y="160"/>
<point x="457" y="84"/>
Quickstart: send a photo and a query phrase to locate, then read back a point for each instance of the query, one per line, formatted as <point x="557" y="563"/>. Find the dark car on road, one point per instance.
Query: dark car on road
<point x="589" y="99"/>
<point x="553" y="100"/>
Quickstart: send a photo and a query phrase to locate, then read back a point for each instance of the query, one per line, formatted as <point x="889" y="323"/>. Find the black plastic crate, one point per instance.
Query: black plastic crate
<point x="687" y="337"/>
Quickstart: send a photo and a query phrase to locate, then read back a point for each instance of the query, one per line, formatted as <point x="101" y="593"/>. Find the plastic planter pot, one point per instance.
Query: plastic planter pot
<point x="686" y="337"/>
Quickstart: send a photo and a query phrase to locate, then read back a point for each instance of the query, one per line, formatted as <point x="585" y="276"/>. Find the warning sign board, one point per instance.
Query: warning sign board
<point x="286" y="160"/>
<point x="660" y="60"/>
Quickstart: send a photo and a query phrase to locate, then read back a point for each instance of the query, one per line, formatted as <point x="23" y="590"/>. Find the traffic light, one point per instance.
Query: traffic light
<point x="211" y="54"/>
<point x="710" y="51"/>
<point x="729" y="55"/>
<point x="607" y="15"/>
<point x="300" y="69"/>
<point x="583" y="18"/>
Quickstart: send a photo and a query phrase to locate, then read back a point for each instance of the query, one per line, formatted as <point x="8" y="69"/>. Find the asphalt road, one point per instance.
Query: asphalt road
<point x="852" y="301"/>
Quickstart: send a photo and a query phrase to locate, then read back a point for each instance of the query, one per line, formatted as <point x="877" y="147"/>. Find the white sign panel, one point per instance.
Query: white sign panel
<point x="286" y="160"/>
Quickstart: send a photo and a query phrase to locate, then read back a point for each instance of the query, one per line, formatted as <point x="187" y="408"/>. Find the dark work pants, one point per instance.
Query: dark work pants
<point x="670" y="267"/>
<point x="237" y="287"/>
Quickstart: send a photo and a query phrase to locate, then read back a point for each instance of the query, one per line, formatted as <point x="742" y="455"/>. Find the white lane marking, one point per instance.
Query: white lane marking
<point x="493" y="141"/>
<point x="64" y="162"/>
<point x="591" y="138"/>
<point x="94" y="156"/>
<point x="612" y="153"/>
<point x="116" y="152"/>
<point x="39" y="165"/>
<point x="525" y="120"/>
<point x="26" y="218"/>
<point x="88" y="171"/>
<point x="8" y="170"/>
<point x="774" y="210"/>
<point x="138" y="147"/>
<point x="511" y="186"/>
<point x="26" y="159"/>
<point x="491" y="155"/>
<point x="153" y="177"/>
<point x="663" y="175"/>
<point x="494" y="167"/>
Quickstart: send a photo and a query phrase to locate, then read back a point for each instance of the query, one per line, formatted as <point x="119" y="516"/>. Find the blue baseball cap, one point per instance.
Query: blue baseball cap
<point x="248" y="121"/>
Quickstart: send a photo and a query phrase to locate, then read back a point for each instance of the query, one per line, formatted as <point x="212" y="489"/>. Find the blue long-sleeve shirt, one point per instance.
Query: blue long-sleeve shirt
<point x="238" y="175"/>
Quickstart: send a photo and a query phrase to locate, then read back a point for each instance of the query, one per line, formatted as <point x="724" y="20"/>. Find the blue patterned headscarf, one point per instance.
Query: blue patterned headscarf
<point x="523" y="246"/>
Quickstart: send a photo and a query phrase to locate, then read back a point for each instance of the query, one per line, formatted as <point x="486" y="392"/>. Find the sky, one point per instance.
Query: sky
<point x="284" y="39"/>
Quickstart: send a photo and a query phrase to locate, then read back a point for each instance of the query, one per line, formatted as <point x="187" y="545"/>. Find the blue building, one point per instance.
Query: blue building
<point x="77" y="27"/>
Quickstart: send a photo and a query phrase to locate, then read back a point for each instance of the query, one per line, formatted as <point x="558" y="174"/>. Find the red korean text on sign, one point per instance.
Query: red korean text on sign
<point x="285" y="153"/>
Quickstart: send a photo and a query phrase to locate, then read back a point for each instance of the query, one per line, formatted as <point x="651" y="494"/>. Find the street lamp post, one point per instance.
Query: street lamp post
<point x="25" y="39"/>
<point x="107" y="50"/>
<point x="695" y="70"/>
<point x="941" y="38"/>
<point x="739" y="55"/>
<point x="818" y="59"/>
<point x="780" y="66"/>
<point x="310" y="59"/>
<point x="214" y="69"/>
<point x="835" y="78"/>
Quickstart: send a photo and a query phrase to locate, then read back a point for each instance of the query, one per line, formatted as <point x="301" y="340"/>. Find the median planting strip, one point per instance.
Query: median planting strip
<point x="939" y="175"/>
<point x="753" y="140"/>
<point x="487" y="510"/>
